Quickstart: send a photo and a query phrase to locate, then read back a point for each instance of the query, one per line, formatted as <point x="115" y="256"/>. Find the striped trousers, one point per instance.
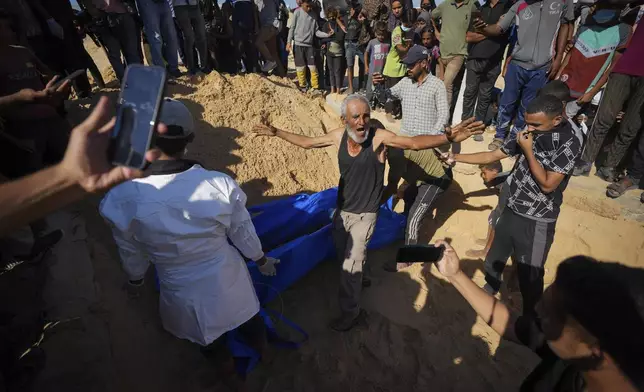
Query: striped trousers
<point x="419" y="201"/>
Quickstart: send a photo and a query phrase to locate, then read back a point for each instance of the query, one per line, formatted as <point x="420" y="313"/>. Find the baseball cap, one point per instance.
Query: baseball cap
<point x="415" y="54"/>
<point x="178" y="118"/>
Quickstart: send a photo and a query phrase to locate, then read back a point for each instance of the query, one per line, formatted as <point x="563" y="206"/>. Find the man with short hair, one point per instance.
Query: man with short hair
<point x="180" y="218"/>
<point x="361" y="147"/>
<point x="425" y="110"/>
<point x="546" y="152"/>
<point x="455" y="17"/>
<point x="573" y="330"/>
<point x="542" y="34"/>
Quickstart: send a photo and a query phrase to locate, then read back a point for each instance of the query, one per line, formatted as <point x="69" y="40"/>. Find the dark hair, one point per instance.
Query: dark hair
<point x="607" y="299"/>
<point x="409" y="16"/>
<point x="380" y="28"/>
<point x="547" y="104"/>
<point x="173" y="147"/>
<point x="556" y="88"/>
<point x="307" y="2"/>
<point x="494" y="166"/>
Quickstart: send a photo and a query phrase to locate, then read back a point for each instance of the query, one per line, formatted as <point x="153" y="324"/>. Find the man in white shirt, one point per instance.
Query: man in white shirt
<point x="180" y="219"/>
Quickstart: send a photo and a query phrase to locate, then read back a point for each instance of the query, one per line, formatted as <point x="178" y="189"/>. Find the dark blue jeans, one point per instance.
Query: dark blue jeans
<point x="521" y="86"/>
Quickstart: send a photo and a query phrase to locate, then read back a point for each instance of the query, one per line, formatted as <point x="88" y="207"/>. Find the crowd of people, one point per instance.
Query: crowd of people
<point x="573" y="90"/>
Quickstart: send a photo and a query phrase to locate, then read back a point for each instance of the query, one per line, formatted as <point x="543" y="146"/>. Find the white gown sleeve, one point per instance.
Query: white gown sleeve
<point x="134" y="261"/>
<point x="242" y="232"/>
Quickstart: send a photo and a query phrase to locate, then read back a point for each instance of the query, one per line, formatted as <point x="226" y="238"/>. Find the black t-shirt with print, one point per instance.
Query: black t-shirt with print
<point x="556" y="151"/>
<point x="552" y="374"/>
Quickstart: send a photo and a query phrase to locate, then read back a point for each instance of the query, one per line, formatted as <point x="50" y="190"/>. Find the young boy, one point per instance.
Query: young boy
<point x="546" y="152"/>
<point x="302" y="32"/>
<point x="492" y="178"/>
<point x="375" y="57"/>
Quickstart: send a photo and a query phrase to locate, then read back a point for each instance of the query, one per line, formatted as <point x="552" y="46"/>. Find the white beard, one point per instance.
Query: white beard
<point x="355" y="137"/>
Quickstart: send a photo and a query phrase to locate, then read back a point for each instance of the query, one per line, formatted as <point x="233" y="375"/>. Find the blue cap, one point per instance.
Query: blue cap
<point x="415" y="54"/>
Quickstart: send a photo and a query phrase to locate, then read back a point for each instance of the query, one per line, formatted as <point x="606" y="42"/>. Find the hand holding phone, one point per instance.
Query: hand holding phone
<point x="420" y="253"/>
<point x="137" y="113"/>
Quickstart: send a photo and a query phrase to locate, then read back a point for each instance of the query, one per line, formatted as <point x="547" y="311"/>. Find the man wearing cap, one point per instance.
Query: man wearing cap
<point x="424" y="99"/>
<point x="180" y="218"/>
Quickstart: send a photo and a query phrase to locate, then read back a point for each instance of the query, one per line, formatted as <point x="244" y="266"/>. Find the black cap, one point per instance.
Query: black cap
<point x="416" y="54"/>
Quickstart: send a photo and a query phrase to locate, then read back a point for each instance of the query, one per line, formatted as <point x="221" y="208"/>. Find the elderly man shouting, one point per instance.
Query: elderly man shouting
<point x="361" y="155"/>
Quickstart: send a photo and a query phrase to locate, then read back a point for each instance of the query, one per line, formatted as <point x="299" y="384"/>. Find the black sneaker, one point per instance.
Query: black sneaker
<point x="175" y="74"/>
<point x="345" y="322"/>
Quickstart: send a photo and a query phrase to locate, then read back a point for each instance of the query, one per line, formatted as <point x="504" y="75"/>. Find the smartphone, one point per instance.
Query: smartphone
<point x="136" y="115"/>
<point x="420" y="254"/>
<point x="71" y="76"/>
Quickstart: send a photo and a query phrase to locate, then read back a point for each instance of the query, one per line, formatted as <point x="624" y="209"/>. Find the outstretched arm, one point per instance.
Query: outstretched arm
<point x="491" y="310"/>
<point x="457" y="133"/>
<point x="480" y="158"/>
<point x="331" y="138"/>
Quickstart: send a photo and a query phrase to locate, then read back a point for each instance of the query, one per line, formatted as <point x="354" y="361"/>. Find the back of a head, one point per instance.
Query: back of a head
<point x="556" y="88"/>
<point x="550" y="105"/>
<point x="607" y="299"/>
<point x="176" y="116"/>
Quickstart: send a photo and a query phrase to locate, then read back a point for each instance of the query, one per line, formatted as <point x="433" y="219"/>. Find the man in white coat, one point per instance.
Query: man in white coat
<point x="180" y="218"/>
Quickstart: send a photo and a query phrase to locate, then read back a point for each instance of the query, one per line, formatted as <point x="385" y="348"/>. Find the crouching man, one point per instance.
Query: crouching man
<point x="180" y="219"/>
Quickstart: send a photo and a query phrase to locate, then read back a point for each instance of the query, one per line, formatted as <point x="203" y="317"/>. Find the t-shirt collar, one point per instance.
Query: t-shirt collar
<point x="465" y="2"/>
<point x="174" y="166"/>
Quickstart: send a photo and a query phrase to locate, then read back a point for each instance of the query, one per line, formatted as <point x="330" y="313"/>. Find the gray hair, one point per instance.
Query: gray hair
<point x="349" y="98"/>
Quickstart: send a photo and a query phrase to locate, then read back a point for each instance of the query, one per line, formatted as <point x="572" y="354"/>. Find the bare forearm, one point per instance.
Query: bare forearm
<point x="9" y="102"/>
<point x="35" y="196"/>
<point x="293" y="138"/>
<point x="479" y="158"/>
<point x="491" y="310"/>
<point x="472" y="37"/>
<point x="562" y="40"/>
<point x="492" y="30"/>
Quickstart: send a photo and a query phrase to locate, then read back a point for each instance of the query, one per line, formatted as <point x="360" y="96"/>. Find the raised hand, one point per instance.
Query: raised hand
<point x="464" y="130"/>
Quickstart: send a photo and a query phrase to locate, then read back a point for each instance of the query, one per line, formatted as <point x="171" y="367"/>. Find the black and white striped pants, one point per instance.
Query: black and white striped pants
<point x="419" y="201"/>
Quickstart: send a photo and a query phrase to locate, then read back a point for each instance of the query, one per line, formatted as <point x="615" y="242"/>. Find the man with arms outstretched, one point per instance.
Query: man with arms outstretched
<point x="361" y="155"/>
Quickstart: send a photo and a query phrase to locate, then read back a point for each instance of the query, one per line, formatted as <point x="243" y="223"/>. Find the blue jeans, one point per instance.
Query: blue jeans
<point x="159" y="30"/>
<point x="521" y="86"/>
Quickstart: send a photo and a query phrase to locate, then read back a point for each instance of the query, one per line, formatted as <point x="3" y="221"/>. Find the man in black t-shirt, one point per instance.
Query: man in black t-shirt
<point x="546" y="152"/>
<point x="587" y="328"/>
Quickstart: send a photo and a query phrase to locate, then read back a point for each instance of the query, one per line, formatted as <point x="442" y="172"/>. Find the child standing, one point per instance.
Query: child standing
<point x="335" y="49"/>
<point x="302" y="32"/>
<point x="375" y="57"/>
<point x="429" y="41"/>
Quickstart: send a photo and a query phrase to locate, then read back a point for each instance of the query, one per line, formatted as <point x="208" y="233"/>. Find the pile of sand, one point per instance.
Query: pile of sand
<point x="226" y="109"/>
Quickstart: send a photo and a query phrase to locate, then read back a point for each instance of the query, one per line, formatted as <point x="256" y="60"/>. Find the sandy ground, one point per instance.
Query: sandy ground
<point x="422" y="335"/>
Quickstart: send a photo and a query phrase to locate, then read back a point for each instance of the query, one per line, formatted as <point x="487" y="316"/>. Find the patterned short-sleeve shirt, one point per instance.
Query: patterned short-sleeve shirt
<point x="556" y="151"/>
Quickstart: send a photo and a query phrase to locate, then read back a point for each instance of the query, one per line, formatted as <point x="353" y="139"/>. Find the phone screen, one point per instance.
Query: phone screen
<point x="137" y="112"/>
<point x="420" y="254"/>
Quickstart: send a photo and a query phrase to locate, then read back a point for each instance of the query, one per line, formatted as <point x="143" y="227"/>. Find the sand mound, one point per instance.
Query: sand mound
<point x="226" y="109"/>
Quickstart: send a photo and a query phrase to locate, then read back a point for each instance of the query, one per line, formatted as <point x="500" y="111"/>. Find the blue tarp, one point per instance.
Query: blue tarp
<point x="302" y="254"/>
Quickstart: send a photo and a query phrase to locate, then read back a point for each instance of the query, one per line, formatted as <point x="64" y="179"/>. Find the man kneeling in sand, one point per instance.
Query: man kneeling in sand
<point x="361" y="155"/>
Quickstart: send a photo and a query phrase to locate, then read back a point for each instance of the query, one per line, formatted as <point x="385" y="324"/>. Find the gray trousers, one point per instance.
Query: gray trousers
<point x="351" y="233"/>
<point x="620" y="90"/>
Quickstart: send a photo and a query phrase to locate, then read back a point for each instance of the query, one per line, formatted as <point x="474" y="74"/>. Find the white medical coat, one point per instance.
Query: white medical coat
<point x="181" y="223"/>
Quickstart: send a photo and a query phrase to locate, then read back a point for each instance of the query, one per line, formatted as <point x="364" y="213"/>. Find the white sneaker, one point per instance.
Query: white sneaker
<point x="269" y="66"/>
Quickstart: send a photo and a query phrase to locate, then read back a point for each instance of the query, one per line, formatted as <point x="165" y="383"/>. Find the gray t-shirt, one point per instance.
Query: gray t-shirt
<point x="537" y="27"/>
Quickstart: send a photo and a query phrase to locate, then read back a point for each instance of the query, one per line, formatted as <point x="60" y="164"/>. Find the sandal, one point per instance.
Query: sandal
<point x="617" y="189"/>
<point x="496" y="143"/>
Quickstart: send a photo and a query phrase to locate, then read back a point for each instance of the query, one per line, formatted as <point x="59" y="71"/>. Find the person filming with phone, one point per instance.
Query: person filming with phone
<point x="587" y="327"/>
